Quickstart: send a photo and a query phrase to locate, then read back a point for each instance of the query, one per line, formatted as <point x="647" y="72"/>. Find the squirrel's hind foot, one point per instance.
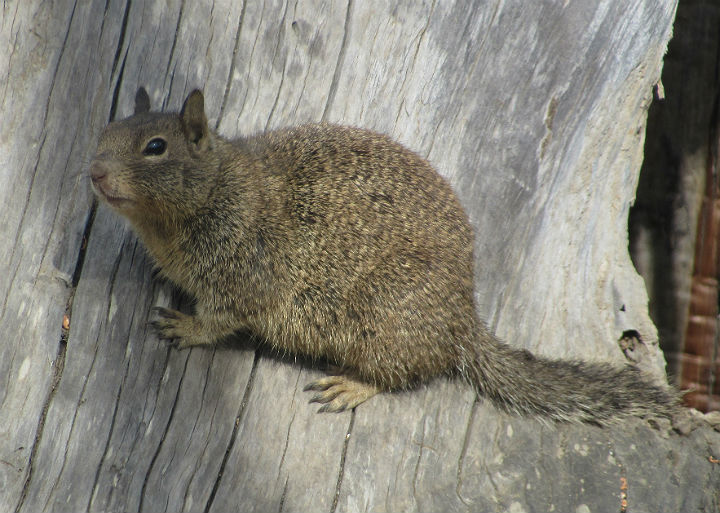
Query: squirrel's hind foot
<point x="340" y="393"/>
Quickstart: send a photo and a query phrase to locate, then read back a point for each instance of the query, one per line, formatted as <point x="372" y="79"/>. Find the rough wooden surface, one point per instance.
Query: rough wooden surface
<point x="535" y="111"/>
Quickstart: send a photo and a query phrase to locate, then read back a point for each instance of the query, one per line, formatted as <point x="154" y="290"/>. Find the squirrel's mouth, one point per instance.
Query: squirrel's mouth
<point x="115" y="201"/>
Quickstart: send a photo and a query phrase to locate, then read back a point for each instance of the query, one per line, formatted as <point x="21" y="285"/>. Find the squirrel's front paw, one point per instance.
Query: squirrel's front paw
<point x="176" y="327"/>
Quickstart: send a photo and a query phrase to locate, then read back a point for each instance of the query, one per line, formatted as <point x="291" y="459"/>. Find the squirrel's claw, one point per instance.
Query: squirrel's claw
<point x="178" y="329"/>
<point x="169" y="326"/>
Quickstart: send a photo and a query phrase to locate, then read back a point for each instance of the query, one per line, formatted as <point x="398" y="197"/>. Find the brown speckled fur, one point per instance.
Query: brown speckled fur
<point x="335" y="243"/>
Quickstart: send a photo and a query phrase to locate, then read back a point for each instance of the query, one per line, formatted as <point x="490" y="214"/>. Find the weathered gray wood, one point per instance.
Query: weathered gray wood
<point x="52" y="105"/>
<point x="535" y="111"/>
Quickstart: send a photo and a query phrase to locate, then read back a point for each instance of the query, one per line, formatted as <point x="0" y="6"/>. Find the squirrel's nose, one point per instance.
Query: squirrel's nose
<point x="98" y="172"/>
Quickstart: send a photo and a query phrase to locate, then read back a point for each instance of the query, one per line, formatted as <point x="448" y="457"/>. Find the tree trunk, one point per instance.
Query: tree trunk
<point x="535" y="112"/>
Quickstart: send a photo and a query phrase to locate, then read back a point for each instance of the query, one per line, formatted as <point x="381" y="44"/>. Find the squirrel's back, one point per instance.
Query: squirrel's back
<point x="360" y="195"/>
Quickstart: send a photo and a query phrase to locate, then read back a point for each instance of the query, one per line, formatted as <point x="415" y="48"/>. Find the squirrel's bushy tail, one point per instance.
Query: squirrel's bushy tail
<point x="519" y="382"/>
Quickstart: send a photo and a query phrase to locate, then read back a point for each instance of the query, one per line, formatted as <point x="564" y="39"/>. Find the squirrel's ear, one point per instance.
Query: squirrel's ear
<point x="194" y="121"/>
<point x="142" y="101"/>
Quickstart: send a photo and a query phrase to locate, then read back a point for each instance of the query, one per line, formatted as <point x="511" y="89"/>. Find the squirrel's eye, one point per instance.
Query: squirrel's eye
<point x="156" y="146"/>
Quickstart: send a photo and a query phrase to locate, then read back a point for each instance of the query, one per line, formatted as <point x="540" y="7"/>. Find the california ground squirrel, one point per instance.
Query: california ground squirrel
<point x="334" y="243"/>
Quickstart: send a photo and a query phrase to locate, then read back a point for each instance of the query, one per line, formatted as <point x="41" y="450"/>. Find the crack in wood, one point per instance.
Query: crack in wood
<point x="280" y="40"/>
<point x="231" y="72"/>
<point x="165" y="431"/>
<point x="121" y="38"/>
<point x="111" y="431"/>
<point x="463" y="452"/>
<point x="283" y="496"/>
<point x="416" y="470"/>
<point x="285" y="449"/>
<point x="116" y="59"/>
<point x="343" y="455"/>
<point x="116" y="91"/>
<point x="58" y="367"/>
<point x="233" y="436"/>
<point x="198" y="461"/>
<point x="277" y="96"/>
<point x="73" y="422"/>
<point x="340" y="61"/>
<point x="172" y="53"/>
<point x="80" y="262"/>
<point x="411" y="67"/>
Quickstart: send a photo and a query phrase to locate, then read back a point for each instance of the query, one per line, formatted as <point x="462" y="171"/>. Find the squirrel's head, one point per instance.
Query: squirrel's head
<point x="155" y="164"/>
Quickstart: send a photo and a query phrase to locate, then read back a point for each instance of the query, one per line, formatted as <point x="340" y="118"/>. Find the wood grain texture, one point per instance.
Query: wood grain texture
<point x="535" y="111"/>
